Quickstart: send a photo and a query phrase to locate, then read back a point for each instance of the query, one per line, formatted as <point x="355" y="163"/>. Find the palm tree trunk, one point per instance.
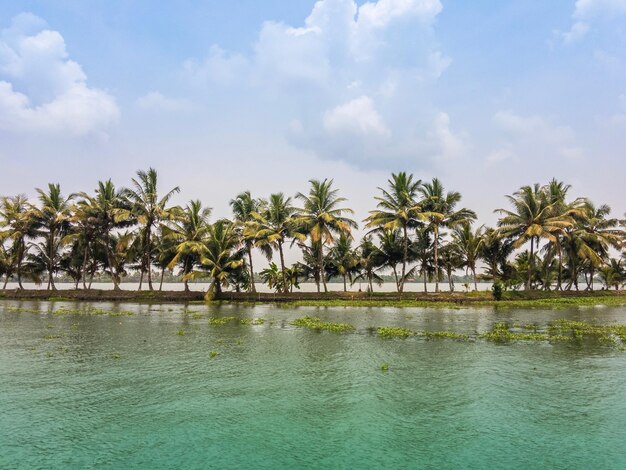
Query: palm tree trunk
<point x="560" y="275"/>
<point x="424" y="274"/>
<point x="436" y="233"/>
<point x="141" y="278"/>
<point x="395" y="274"/>
<point x="371" y="284"/>
<point x="161" y="282"/>
<point x="405" y="257"/>
<point x="107" y="241"/>
<point x="531" y="263"/>
<point x="475" y="279"/>
<point x="84" y="269"/>
<point x="282" y="266"/>
<point x="345" y="286"/>
<point x="6" y="281"/>
<point x="148" y="260"/>
<point x="320" y="259"/>
<point x="252" y="286"/>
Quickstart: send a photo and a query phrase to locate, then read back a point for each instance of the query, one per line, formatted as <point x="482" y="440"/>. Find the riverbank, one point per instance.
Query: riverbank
<point x="336" y="299"/>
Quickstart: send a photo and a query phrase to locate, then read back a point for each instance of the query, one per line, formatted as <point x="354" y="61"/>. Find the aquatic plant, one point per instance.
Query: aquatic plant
<point x="314" y="323"/>
<point x="181" y="332"/>
<point x="443" y="335"/>
<point x="384" y="367"/>
<point x="213" y="354"/>
<point x="220" y="321"/>
<point x="394" y="332"/>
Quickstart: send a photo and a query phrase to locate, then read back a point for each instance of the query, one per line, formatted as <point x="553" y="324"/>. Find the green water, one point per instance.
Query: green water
<point x="142" y="391"/>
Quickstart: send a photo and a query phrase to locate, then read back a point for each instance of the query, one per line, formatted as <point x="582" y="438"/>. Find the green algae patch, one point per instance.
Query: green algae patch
<point x="394" y="332"/>
<point x="314" y="323"/>
<point x="443" y="335"/>
<point x="221" y="321"/>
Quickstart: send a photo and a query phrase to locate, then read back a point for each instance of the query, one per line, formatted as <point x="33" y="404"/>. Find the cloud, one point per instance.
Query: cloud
<point x="586" y="11"/>
<point x="340" y="84"/>
<point x="357" y="117"/>
<point x="155" y="101"/>
<point x="42" y="90"/>
<point x="533" y="137"/>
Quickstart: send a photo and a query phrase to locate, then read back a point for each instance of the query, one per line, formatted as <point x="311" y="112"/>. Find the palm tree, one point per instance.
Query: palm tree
<point x="111" y="211"/>
<point x="321" y="218"/>
<point x="343" y="259"/>
<point x="467" y="244"/>
<point x="52" y="220"/>
<point x="391" y="253"/>
<point x="273" y="277"/>
<point x="594" y="235"/>
<point x="422" y="250"/>
<point x="221" y="255"/>
<point x="494" y="251"/>
<point x="17" y="216"/>
<point x="533" y="217"/>
<point x="450" y="260"/>
<point x="369" y="260"/>
<point x="272" y="226"/>
<point x="150" y="211"/>
<point x="397" y="210"/>
<point x="438" y="209"/>
<point x="189" y="235"/>
<point x="244" y="206"/>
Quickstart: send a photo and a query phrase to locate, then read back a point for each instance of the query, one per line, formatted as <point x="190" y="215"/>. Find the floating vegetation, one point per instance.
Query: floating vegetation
<point x="123" y="313"/>
<point x="314" y="323"/>
<point x="394" y="332"/>
<point x="181" y="332"/>
<point x="213" y="354"/>
<point x="115" y="356"/>
<point x="443" y="335"/>
<point x="49" y="354"/>
<point x="48" y="337"/>
<point x="252" y="321"/>
<point x="196" y="315"/>
<point x="384" y="367"/>
<point x="220" y="321"/>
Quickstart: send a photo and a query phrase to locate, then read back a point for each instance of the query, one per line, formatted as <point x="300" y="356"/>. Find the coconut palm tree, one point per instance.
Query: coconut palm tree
<point x="397" y="210"/>
<point x="18" y="223"/>
<point x="494" y="251"/>
<point x="343" y="259"/>
<point x="391" y="252"/>
<point x="533" y="218"/>
<point x="221" y="255"/>
<point x="271" y="227"/>
<point x="150" y="211"/>
<point x="467" y="244"/>
<point x="244" y="206"/>
<point x="188" y="235"/>
<point x="369" y="260"/>
<point x="595" y="233"/>
<point x="322" y="218"/>
<point x="52" y="220"/>
<point x="111" y="211"/>
<point x="438" y="210"/>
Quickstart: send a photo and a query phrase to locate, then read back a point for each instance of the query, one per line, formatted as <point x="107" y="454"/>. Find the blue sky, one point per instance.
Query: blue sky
<point x="226" y="96"/>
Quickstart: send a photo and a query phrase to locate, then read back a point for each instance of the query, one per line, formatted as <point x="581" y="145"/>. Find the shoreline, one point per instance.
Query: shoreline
<point x="330" y="299"/>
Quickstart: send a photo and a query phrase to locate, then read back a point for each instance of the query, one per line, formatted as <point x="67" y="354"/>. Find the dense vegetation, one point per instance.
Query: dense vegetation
<point x="543" y="240"/>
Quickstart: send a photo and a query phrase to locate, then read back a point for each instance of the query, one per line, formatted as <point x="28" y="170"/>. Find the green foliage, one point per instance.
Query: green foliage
<point x="213" y="354"/>
<point x="384" y="367"/>
<point x="497" y="290"/>
<point x="221" y="321"/>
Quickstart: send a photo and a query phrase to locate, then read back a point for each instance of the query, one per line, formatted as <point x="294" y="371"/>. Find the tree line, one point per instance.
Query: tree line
<point x="543" y="240"/>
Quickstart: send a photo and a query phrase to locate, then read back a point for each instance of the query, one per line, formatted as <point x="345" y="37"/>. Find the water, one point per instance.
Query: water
<point x="85" y="391"/>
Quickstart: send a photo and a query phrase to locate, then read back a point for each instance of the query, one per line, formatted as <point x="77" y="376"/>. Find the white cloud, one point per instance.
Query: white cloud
<point x="351" y="70"/>
<point x="534" y="137"/>
<point x="155" y="101"/>
<point x="586" y="11"/>
<point x="42" y="90"/>
<point x="358" y="117"/>
<point x="451" y="146"/>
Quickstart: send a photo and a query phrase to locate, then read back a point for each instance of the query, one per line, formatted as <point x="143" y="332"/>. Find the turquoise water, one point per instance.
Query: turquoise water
<point x="142" y="390"/>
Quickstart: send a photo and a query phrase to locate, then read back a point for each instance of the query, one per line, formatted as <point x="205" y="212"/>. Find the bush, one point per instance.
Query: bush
<point x="497" y="290"/>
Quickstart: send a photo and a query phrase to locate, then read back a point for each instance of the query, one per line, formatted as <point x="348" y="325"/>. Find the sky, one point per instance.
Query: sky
<point x="222" y="97"/>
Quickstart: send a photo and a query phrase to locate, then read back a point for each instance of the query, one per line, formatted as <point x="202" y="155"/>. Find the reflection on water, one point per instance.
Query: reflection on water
<point x="136" y="386"/>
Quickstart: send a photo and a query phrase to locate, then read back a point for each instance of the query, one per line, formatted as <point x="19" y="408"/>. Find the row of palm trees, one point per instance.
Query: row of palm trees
<point x="417" y="230"/>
